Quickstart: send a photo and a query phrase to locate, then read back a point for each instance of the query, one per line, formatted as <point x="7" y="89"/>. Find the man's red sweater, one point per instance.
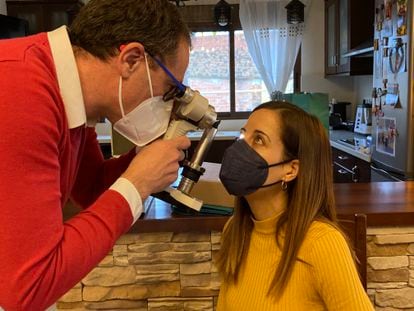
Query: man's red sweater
<point x="43" y="163"/>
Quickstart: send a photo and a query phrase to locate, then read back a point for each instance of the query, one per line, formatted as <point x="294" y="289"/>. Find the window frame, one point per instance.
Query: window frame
<point x="200" y="18"/>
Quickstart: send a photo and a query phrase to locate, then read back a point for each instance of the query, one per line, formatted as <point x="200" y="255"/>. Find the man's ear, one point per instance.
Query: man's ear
<point x="131" y="56"/>
<point x="292" y="170"/>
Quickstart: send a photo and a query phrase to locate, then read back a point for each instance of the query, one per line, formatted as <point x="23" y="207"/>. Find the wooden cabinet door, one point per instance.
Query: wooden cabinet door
<point x="331" y="36"/>
<point x="343" y="36"/>
<point x="347" y="168"/>
<point x="44" y="15"/>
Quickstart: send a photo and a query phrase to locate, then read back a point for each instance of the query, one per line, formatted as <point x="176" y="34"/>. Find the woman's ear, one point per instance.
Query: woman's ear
<point x="131" y="56"/>
<point x="292" y="170"/>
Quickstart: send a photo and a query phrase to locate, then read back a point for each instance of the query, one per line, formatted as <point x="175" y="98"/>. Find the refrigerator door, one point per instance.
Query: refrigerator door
<point x="392" y="127"/>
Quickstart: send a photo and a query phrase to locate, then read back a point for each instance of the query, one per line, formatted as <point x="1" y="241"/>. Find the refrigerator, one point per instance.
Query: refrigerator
<point x="392" y="93"/>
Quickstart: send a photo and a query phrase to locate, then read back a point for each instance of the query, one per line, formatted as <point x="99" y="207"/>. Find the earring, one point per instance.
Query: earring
<point x="284" y="185"/>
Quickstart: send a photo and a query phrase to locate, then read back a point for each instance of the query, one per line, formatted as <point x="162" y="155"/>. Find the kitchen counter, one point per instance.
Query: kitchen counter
<point x="384" y="203"/>
<point x="362" y="152"/>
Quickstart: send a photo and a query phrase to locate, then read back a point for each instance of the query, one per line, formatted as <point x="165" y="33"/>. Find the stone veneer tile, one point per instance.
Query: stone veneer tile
<point x="196" y="268"/>
<point x="157" y="278"/>
<point x="191" y="237"/>
<point x="195" y="280"/>
<point x="396" y="298"/>
<point x="72" y="306"/>
<point x="153" y="237"/>
<point x="118" y="250"/>
<point x="140" y="305"/>
<point x="394" y="239"/>
<point x="121" y="261"/>
<point x="215" y="281"/>
<point x="384" y="263"/>
<point x="371" y="295"/>
<point x="149" y="247"/>
<point x="191" y="247"/>
<point x="386" y="285"/>
<point x="199" y="291"/>
<point x="180" y="304"/>
<point x="157" y="269"/>
<point x="107" y="261"/>
<point x="168" y="257"/>
<point x="78" y="285"/>
<point x="128" y="238"/>
<point x="110" y="276"/>
<point x="390" y="275"/>
<point x="131" y="292"/>
<point x="410" y="248"/>
<point x="392" y="309"/>
<point x="411" y="281"/>
<point x="73" y="295"/>
<point x="411" y="262"/>
<point x="199" y="305"/>
<point x="215" y="237"/>
<point x="165" y="305"/>
<point x="215" y="247"/>
<point x="386" y="250"/>
<point x="389" y="230"/>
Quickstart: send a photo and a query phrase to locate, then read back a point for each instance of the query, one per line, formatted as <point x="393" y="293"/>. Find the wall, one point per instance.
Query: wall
<point x="390" y="268"/>
<point x="175" y="271"/>
<point x="313" y="53"/>
<point x="313" y="56"/>
<point x="3" y="8"/>
<point x="152" y="272"/>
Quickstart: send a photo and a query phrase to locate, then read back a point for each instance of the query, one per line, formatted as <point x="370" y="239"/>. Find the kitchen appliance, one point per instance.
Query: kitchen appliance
<point x="338" y="117"/>
<point x="392" y="95"/>
<point x="363" y="120"/>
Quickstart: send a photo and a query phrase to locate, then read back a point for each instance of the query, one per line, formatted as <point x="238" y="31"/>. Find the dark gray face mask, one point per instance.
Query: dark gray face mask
<point x="243" y="170"/>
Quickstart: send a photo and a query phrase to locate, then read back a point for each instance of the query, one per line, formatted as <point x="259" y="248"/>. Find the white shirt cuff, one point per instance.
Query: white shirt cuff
<point x="131" y="194"/>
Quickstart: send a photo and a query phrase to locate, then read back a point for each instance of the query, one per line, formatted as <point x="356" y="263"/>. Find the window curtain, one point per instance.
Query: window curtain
<point x="272" y="43"/>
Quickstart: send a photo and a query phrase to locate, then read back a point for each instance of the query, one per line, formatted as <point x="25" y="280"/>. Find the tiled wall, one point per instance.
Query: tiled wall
<point x="167" y="271"/>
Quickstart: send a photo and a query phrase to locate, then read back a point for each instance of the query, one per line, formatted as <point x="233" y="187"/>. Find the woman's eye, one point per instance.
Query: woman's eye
<point x="258" y="140"/>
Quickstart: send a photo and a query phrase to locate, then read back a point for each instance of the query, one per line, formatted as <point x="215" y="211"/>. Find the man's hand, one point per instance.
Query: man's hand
<point x="156" y="166"/>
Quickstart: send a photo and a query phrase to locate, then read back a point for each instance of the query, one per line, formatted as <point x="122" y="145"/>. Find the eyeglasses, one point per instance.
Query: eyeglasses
<point x="174" y="91"/>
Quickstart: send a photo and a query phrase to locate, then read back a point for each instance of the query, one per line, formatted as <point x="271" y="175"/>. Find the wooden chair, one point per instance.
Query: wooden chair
<point x="355" y="227"/>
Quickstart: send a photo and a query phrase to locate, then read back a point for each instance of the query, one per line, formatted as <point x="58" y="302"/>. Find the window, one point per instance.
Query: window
<point x="221" y="67"/>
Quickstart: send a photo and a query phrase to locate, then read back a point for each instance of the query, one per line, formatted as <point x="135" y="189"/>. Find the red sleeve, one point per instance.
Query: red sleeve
<point x="41" y="257"/>
<point x="96" y="174"/>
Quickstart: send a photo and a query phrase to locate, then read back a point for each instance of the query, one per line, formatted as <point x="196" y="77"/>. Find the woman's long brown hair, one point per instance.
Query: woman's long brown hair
<point x="310" y="197"/>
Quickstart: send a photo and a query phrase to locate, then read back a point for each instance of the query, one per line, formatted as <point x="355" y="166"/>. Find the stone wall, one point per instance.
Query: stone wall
<point x="152" y="272"/>
<point x="390" y="254"/>
<point x="174" y="271"/>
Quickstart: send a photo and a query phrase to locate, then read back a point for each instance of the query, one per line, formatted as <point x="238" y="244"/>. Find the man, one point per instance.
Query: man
<point x="53" y="88"/>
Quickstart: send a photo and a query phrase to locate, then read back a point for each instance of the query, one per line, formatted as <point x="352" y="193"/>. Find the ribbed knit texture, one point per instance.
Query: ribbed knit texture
<point x="329" y="280"/>
<point x="42" y="164"/>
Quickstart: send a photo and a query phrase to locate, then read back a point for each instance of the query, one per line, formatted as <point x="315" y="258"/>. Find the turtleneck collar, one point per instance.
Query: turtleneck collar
<point x="266" y="226"/>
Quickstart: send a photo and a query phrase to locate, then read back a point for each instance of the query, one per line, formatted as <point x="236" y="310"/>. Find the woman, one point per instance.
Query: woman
<point x="282" y="249"/>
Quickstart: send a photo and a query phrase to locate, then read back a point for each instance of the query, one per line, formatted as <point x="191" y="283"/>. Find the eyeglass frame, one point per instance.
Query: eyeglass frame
<point x="174" y="91"/>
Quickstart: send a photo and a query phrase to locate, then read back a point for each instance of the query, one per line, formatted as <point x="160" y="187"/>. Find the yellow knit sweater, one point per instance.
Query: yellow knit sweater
<point x="329" y="282"/>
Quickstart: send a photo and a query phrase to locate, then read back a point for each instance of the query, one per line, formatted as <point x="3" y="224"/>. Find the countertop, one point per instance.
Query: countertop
<point x="384" y="203"/>
<point x="361" y="152"/>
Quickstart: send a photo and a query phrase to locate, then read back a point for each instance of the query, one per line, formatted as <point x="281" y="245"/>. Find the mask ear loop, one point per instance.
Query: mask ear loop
<point x="148" y="75"/>
<point x="121" y="105"/>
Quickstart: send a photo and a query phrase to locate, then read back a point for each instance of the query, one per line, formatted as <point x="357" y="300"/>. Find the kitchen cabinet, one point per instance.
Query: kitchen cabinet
<point x="349" y="169"/>
<point x="348" y="28"/>
<point x="44" y="15"/>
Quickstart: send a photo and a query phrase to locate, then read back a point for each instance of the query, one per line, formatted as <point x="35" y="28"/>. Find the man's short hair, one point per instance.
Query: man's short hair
<point x="102" y="26"/>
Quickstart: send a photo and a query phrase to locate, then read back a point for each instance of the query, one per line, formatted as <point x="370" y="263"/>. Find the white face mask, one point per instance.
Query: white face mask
<point x="146" y="122"/>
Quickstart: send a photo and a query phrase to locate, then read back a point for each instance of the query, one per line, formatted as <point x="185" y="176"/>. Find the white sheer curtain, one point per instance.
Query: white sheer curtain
<point x="273" y="43"/>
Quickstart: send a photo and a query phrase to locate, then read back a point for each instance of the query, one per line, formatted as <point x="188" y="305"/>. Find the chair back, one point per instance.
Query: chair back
<point x="355" y="227"/>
